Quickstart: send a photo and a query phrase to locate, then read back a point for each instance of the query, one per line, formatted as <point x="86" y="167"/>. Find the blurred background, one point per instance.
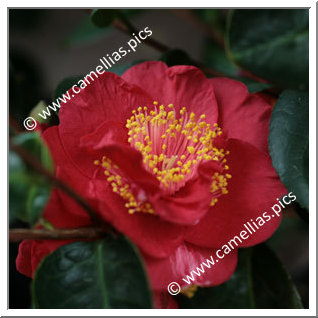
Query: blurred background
<point x="46" y="46"/>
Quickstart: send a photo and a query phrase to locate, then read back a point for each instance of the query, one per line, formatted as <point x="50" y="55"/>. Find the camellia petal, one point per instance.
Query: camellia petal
<point x="108" y="98"/>
<point x="192" y="201"/>
<point x="182" y="86"/>
<point x="151" y="234"/>
<point x="253" y="189"/>
<point x="242" y="115"/>
<point x="185" y="259"/>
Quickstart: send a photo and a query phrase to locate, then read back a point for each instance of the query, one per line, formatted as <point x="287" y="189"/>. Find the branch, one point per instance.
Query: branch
<point x="17" y="235"/>
<point x="37" y="166"/>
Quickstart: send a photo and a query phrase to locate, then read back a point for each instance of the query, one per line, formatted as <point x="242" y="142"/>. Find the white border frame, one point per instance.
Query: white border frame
<point x="312" y="158"/>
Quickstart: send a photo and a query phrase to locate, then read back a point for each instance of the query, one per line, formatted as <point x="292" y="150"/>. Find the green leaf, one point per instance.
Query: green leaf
<point x="289" y="142"/>
<point x="104" y="17"/>
<point x="28" y="191"/>
<point x="272" y="44"/>
<point x="65" y="85"/>
<point x="259" y="281"/>
<point x="101" y="274"/>
<point x="36" y="202"/>
<point x="216" y="58"/>
<point x="272" y="285"/>
<point x="18" y="188"/>
<point x="252" y="85"/>
<point x="212" y="17"/>
<point x="176" y="57"/>
<point x="33" y="143"/>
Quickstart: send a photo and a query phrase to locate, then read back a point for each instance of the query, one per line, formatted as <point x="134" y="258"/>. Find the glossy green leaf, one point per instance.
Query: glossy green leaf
<point x="253" y="86"/>
<point x="103" y="18"/>
<point x="272" y="285"/>
<point x="36" y="202"/>
<point x="101" y="274"/>
<point x="33" y="143"/>
<point x="216" y="58"/>
<point x="289" y="142"/>
<point x="18" y="188"/>
<point x="212" y="17"/>
<point x="259" y="281"/>
<point x="28" y="191"/>
<point x="272" y="44"/>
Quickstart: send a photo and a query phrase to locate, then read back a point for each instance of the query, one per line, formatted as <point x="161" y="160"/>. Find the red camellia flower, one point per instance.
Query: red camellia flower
<point x="175" y="161"/>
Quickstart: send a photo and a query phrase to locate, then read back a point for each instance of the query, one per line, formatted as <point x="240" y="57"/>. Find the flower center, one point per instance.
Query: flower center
<point x="172" y="146"/>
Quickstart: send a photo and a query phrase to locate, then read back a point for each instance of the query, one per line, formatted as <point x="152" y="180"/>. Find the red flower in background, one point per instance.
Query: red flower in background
<point x="146" y="149"/>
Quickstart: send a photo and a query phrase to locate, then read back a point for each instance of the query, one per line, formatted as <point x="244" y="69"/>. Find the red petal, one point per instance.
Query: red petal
<point x="62" y="212"/>
<point x="186" y="258"/>
<point x="180" y="85"/>
<point x="23" y="261"/>
<point x="130" y="164"/>
<point x="242" y="115"/>
<point x="191" y="202"/>
<point x="67" y="171"/>
<point x="108" y="98"/>
<point x="253" y="189"/>
<point x="106" y="133"/>
<point x="32" y="252"/>
<point x="152" y="235"/>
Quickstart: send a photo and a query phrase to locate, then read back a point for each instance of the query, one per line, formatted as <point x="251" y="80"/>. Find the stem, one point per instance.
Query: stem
<point x="17" y="235"/>
<point x="37" y="166"/>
